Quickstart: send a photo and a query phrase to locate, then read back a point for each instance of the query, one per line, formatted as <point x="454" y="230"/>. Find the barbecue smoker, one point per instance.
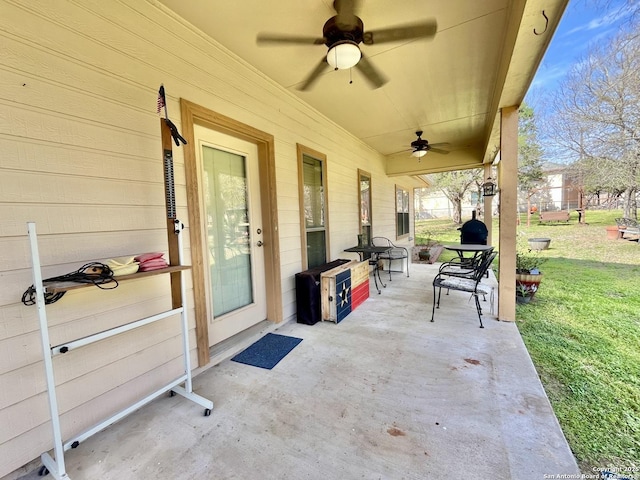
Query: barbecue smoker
<point x="473" y="231"/>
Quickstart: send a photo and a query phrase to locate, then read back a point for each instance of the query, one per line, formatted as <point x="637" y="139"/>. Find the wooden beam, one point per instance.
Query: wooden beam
<point x="508" y="181"/>
<point x="405" y="164"/>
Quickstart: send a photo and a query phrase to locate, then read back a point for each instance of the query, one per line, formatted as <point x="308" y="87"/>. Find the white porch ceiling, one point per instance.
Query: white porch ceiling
<point x="483" y="57"/>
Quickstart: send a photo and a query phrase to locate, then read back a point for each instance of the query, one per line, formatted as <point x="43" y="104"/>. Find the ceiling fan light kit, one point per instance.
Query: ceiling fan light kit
<point x="420" y="147"/>
<point x="344" y="55"/>
<point x="343" y="33"/>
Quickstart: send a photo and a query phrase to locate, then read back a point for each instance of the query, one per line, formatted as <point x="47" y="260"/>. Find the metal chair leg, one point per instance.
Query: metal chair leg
<point x="375" y="279"/>
<point x="479" y="310"/>
<point x="433" y="306"/>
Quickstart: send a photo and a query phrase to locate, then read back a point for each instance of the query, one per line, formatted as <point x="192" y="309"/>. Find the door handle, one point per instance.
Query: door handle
<point x="259" y="244"/>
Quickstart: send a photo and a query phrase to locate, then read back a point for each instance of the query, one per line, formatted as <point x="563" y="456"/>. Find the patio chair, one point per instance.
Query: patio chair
<point x="464" y="266"/>
<point x="470" y="284"/>
<point x="395" y="253"/>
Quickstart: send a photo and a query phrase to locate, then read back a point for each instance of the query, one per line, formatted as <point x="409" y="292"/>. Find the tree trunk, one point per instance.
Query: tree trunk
<point x="630" y="203"/>
<point x="457" y="210"/>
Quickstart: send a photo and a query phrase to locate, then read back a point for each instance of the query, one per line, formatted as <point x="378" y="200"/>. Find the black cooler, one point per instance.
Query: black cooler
<point x="308" y="302"/>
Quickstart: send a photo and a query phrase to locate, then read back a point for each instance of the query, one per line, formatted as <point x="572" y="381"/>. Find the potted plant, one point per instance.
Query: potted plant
<point x="424" y="255"/>
<point x="523" y="294"/>
<point x="426" y="249"/>
<point x="528" y="275"/>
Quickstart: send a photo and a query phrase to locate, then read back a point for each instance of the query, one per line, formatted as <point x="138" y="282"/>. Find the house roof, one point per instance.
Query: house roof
<point x="452" y="86"/>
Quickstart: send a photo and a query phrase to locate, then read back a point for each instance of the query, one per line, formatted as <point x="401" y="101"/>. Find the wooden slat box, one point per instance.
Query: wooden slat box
<point x="359" y="284"/>
<point x="309" y="292"/>
<point x="344" y="288"/>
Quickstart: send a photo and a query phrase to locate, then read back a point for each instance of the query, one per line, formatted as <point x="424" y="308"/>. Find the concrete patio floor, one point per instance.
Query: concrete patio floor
<point x="385" y="394"/>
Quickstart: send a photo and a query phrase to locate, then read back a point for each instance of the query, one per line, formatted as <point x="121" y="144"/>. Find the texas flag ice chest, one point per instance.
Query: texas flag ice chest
<point x="344" y="288"/>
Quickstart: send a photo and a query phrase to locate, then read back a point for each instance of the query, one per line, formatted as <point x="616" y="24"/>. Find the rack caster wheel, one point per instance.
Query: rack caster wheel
<point x="172" y="393"/>
<point x="207" y="412"/>
<point x="43" y="471"/>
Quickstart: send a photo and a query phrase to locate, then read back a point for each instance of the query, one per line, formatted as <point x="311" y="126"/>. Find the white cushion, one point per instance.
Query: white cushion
<point x="465" y="285"/>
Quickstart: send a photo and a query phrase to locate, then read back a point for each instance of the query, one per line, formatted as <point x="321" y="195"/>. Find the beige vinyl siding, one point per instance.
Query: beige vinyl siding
<point x="80" y="154"/>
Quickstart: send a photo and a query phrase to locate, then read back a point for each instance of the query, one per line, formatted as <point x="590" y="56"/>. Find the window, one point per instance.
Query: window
<point x="312" y="175"/>
<point x="402" y="212"/>
<point x="364" y="207"/>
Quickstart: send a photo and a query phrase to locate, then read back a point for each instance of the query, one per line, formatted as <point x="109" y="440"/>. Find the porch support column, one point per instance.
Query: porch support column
<point x="508" y="181"/>
<point x="488" y="207"/>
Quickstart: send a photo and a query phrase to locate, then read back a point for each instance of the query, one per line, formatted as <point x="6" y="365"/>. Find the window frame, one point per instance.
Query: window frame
<point x="303" y="151"/>
<point x="406" y="194"/>
<point x="363" y="174"/>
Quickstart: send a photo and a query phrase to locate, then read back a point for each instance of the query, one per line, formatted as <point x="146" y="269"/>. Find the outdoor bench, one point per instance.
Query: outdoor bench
<point x="628" y="226"/>
<point x="554" y="216"/>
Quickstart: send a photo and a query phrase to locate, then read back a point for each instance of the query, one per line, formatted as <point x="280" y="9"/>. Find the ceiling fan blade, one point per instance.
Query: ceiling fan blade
<point x="374" y="77"/>
<point x="438" y="150"/>
<point x="314" y="75"/>
<point x="401" y="32"/>
<point x="294" y="39"/>
<point x="346" y="10"/>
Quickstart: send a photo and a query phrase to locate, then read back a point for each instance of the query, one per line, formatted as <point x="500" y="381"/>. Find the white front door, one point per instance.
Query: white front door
<point x="234" y="256"/>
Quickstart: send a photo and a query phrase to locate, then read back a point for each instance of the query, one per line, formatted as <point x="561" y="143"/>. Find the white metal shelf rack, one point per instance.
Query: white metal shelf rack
<point x="55" y="465"/>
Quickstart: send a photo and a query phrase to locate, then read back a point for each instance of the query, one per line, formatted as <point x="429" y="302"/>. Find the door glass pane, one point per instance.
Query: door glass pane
<point x="228" y="232"/>
<point x="314" y="211"/>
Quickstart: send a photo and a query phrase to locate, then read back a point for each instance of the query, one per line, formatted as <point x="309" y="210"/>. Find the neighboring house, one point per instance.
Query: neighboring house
<point x="81" y="156"/>
<point x="560" y="190"/>
<point x="434" y="204"/>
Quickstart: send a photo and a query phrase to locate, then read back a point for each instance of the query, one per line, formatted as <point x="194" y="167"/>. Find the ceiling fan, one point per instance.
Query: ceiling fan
<point x="421" y="147"/>
<point x="343" y="33"/>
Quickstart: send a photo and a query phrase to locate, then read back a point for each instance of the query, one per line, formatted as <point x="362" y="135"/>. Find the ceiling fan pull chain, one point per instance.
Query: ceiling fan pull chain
<point x="350" y="77"/>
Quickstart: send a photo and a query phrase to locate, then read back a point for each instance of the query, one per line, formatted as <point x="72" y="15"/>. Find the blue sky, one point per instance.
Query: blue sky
<point x="583" y="23"/>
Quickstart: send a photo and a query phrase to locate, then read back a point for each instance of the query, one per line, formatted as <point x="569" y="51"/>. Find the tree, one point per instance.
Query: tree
<point x="530" y="175"/>
<point x="629" y="9"/>
<point x="593" y="177"/>
<point x="597" y="116"/>
<point x="455" y="186"/>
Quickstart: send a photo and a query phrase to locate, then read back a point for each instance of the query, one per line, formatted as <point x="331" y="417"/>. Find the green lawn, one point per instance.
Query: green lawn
<point x="583" y="334"/>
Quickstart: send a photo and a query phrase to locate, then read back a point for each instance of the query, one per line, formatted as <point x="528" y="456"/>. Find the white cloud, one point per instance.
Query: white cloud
<point x="550" y="75"/>
<point x="609" y="19"/>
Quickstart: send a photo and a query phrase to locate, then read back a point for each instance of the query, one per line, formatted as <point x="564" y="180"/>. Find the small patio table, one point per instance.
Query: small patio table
<point x="374" y="253"/>
<point x="462" y="248"/>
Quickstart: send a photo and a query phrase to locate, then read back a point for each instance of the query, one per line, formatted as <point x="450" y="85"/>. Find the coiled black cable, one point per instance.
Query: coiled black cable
<point x="95" y="273"/>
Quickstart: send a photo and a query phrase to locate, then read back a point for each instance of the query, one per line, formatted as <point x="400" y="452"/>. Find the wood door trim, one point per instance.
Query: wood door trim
<point x="193" y="114"/>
